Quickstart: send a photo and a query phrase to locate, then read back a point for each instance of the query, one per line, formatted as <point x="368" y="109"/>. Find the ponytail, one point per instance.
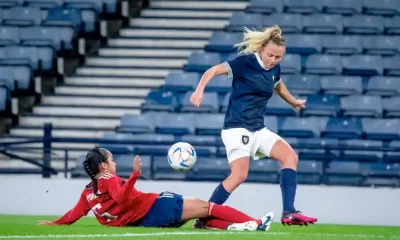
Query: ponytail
<point x="91" y="165"/>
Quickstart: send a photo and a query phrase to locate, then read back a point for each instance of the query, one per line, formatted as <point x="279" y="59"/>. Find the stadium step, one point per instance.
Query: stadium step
<point x="122" y="72"/>
<point x="135" y="62"/>
<point x="164" y="33"/>
<point x="157" y="43"/>
<point x="114" y="82"/>
<point x="83" y="146"/>
<point x="71" y="100"/>
<point x="84" y="111"/>
<point x="70" y="122"/>
<point x="200" y="5"/>
<point x="168" y="23"/>
<point x="71" y="133"/>
<point x="145" y="53"/>
<point x="104" y="91"/>
<point x="185" y="14"/>
<point x="56" y="163"/>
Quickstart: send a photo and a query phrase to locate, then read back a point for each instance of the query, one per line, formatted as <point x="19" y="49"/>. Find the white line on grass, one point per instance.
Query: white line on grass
<point x="157" y="234"/>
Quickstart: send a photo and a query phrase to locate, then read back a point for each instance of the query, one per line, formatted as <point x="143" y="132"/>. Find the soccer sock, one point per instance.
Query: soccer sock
<point x="220" y="195"/>
<point x="288" y="188"/>
<point x="216" y="223"/>
<point x="229" y="214"/>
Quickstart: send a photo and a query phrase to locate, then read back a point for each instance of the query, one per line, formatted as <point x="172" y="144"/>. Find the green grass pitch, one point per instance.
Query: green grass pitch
<point x="24" y="227"/>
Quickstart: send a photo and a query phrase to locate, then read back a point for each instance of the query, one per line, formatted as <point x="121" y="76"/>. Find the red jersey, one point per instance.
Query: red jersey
<point x="118" y="203"/>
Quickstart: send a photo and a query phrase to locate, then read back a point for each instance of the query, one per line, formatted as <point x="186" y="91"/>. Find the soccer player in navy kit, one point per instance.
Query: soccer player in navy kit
<point x="255" y="76"/>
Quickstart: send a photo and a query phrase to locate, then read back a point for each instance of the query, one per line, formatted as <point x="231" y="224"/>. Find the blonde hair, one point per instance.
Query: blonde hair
<point x="255" y="40"/>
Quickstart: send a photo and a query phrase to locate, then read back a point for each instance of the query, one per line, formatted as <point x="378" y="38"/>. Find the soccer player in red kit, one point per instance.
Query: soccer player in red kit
<point x="116" y="202"/>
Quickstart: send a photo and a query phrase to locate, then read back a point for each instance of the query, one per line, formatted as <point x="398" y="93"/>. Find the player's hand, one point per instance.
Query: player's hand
<point x="299" y="104"/>
<point x="196" y="98"/>
<point x="137" y="165"/>
<point x="45" y="222"/>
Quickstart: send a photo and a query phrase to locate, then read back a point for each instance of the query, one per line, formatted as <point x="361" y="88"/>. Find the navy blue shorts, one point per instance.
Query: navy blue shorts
<point x="165" y="212"/>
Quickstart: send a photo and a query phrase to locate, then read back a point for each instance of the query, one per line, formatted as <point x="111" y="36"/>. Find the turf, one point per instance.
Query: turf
<point x="24" y="227"/>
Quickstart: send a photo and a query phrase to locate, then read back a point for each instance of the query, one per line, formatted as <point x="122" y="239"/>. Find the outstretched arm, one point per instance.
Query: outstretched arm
<point x="284" y="93"/>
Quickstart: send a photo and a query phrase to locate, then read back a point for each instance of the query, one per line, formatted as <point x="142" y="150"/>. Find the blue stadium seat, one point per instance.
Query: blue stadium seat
<point x="225" y="102"/>
<point x="271" y="123"/>
<point x="7" y="78"/>
<point x="209" y="124"/>
<point x="22" y="16"/>
<point x="154" y="144"/>
<point x="9" y="35"/>
<point x="323" y="64"/>
<point x="61" y="38"/>
<point x="208" y="105"/>
<point x="181" y="81"/>
<point x="221" y="84"/>
<point x="362" y="155"/>
<point x="209" y="169"/>
<point x="133" y="123"/>
<point x="391" y="107"/>
<point x="379" y="174"/>
<point x="21" y="55"/>
<point x="89" y="19"/>
<point x="342" y="6"/>
<point x="44" y="4"/>
<point x="381" y="129"/>
<point x="383" y="86"/>
<point x="322" y="23"/>
<point x="200" y="62"/>
<point x="64" y="16"/>
<point x="264" y="170"/>
<point x="160" y="101"/>
<point x="304" y="6"/>
<point x="344" y="173"/>
<point x="302" y="84"/>
<point x="266" y="7"/>
<point x="362" y="65"/>
<point x="23" y="76"/>
<point x="289" y="23"/>
<point x="291" y="64"/>
<point x="320" y="150"/>
<point x="10" y="3"/>
<point x="163" y="171"/>
<point x="309" y="172"/>
<point x="363" y="24"/>
<point x="341" y="85"/>
<point x="125" y="166"/>
<point x="277" y="106"/>
<point x="392" y="25"/>
<point x="118" y="148"/>
<point x="239" y="20"/>
<point x="303" y="44"/>
<point x="381" y="45"/>
<point x="386" y="8"/>
<point x="361" y="106"/>
<point x="391" y="66"/>
<point x="101" y="6"/>
<point x="4" y="93"/>
<point x="341" y="44"/>
<point x="199" y="143"/>
<point x="392" y="156"/>
<point x="223" y="41"/>
<point x="177" y="124"/>
<point x="342" y="128"/>
<point x="300" y="127"/>
<point x="322" y="105"/>
<point x="2" y="53"/>
<point x="46" y="57"/>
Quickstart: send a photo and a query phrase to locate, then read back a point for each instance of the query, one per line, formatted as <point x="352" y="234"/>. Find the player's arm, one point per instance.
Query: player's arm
<point x="283" y="92"/>
<point x="209" y="74"/>
<point x="81" y="209"/>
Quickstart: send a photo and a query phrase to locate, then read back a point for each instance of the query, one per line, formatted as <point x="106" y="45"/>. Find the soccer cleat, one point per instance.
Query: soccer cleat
<point x="246" y="226"/>
<point x="266" y="222"/>
<point x="297" y="218"/>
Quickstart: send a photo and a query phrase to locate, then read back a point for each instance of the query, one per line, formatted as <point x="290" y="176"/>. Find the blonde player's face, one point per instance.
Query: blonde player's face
<point x="272" y="54"/>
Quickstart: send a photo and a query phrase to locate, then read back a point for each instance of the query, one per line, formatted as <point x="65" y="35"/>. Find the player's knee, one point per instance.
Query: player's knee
<point x="292" y="158"/>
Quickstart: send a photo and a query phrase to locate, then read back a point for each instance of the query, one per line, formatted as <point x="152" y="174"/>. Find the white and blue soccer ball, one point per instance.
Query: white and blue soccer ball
<point x="182" y="156"/>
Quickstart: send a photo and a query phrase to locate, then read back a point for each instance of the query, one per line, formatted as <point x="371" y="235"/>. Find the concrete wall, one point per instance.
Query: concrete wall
<point x="336" y="205"/>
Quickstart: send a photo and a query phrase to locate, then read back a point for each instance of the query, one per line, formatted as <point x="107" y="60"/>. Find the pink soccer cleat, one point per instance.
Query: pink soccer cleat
<point x="297" y="218"/>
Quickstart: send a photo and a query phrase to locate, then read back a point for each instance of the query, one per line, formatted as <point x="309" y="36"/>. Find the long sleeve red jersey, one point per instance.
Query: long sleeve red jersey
<point x="118" y="203"/>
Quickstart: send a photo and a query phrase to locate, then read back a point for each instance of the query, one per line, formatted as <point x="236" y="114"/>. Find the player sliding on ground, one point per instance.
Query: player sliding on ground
<point x="116" y="202"/>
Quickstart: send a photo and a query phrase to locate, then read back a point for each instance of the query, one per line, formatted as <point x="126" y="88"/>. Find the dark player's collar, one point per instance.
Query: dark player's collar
<point x="260" y="61"/>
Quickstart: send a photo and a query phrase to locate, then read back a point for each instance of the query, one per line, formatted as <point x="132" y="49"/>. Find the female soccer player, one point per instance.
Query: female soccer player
<point x="255" y="75"/>
<point x="115" y="202"/>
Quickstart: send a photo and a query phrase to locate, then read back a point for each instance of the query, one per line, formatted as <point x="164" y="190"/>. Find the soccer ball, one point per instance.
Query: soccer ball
<point x="182" y="156"/>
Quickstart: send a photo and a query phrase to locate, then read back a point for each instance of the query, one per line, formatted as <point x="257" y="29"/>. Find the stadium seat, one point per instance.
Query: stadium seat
<point x="342" y="128"/>
<point x="317" y="148"/>
<point x="44" y="4"/>
<point x="341" y="85"/>
<point x="10" y="3"/>
<point x="63" y="16"/>
<point x="200" y="62"/>
<point x="264" y="170"/>
<point x="209" y="124"/>
<point x="363" y="24"/>
<point x="163" y="171"/>
<point x="271" y="123"/>
<point x="303" y="44"/>
<point x="225" y="102"/>
<point x="239" y="20"/>
<point x="322" y="23"/>
<point x="361" y="106"/>
<point x="344" y="173"/>
<point x="22" y="16"/>
<point x="309" y="172"/>
<point x="23" y="76"/>
<point x="7" y="79"/>
<point x="383" y="86"/>
<point x="344" y="7"/>
<point x="391" y="107"/>
<point x="381" y="45"/>
<point x="209" y="169"/>
<point x="385" y="8"/>
<point x="100" y="6"/>
<point x="391" y="66"/>
<point x="291" y="64"/>
<point x="266" y="7"/>
<point x="205" y="145"/>
<point x="277" y="106"/>
<point x="304" y="7"/>
<point x="160" y="101"/>
<point x="133" y="123"/>
<point x="118" y="148"/>
<point x="181" y="81"/>
<point x="362" y="65"/>
<point x="302" y="84"/>
<point x="177" y="124"/>
<point x="381" y="129"/>
<point x="61" y="38"/>
<point x="288" y="22"/>
<point x="341" y="44"/>
<point x="392" y="25"/>
<point x="367" y="154"/>
<point x="379" y="174"/>
<point x="323" y="64"/>
<point x="300" y="127"/>
<point x="223" y="41"/>
<point x="125" y="167"/>
<point x="153" y="144"/>
<point x="322" y="105"/>
<point x="4" y="97"/>
<point x="35" y="57"/>
<point x="392" y="156"/>
<point x="208" y="105"/>
<point x="9" y="35"/>
<point x="220" y="84"/>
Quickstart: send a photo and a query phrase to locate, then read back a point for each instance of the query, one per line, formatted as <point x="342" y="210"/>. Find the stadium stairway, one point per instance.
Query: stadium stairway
<point x="117" y="80"/>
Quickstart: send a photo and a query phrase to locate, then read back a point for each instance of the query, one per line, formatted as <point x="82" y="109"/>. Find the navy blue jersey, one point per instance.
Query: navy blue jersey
<point x="252" y="86"/>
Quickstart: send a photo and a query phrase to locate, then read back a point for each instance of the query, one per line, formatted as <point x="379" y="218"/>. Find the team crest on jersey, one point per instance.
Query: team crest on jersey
<point x="273" y="78"/>
<point x="245" y="139"/>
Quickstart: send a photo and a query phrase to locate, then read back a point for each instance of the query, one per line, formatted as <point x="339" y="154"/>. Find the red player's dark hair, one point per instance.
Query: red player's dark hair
<point x="91" y="164"/>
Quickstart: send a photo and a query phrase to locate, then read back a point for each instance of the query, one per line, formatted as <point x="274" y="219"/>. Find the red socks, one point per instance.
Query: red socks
<point x="229" y="214"/>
